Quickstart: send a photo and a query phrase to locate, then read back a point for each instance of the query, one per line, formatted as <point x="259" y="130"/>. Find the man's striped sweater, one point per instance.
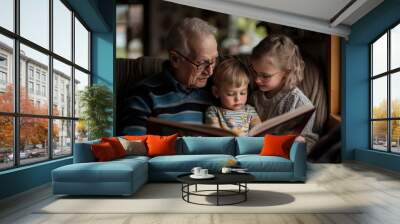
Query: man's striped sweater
<point x="164" y="97"/>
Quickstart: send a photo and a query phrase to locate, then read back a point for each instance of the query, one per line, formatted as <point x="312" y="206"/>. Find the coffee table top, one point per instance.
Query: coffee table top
<point x="220" y="178"/>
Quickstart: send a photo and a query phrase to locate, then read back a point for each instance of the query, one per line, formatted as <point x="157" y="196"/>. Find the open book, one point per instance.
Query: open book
<point x="292" y="122"/>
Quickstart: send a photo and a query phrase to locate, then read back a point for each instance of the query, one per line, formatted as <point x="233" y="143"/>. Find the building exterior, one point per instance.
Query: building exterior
<point x="34" y="79"/>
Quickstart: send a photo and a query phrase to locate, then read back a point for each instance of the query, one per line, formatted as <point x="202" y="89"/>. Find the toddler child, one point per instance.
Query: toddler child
<point x="230" y="87"/>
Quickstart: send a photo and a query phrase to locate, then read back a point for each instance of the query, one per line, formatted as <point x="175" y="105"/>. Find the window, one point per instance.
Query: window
<point x="30" y="87"/>
<point x="43" y="90"/>
<point x="3" y="61"/>
<point x="3" y="72"/>
<point x="30" y="72"/>
<point x="3" y="78"/>
<point x="54" y="125"/>
<point x="38" y="89"/>
<point x="37" y="74"/>
<point x="385" y="91"/>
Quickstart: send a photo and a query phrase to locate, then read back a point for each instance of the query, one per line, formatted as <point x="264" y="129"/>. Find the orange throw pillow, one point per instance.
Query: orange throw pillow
<point x="116" y="145"/>
<point x="135" y="137"/>
<point x="277" y="145"/>
<point x="161" y="145"/>
<point x="103" y="151"/>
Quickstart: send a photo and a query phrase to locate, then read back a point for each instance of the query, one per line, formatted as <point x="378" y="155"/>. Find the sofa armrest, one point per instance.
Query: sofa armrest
<point x="299" y="158"/>
<point x="83" y="152"/>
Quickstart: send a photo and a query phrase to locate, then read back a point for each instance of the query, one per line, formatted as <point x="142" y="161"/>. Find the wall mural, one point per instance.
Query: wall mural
<point x="148" y="56"/>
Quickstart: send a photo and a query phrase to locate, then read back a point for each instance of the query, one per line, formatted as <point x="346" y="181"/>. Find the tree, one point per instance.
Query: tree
<point x="33" y="130"/>
<point x="380" y="127"/>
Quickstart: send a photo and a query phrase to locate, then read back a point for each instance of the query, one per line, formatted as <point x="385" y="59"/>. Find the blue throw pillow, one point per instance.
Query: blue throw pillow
<point x="249" y="145"/>
<point x="208" y="145"/>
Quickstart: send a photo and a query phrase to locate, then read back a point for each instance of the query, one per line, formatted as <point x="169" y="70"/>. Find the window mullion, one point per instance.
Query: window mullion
<point x="16" y="69"/>
<point x="73" y="83"/>
<point x="50" y="81"/>
<point x="371" y="89"/>
<point x="389" y="106"/>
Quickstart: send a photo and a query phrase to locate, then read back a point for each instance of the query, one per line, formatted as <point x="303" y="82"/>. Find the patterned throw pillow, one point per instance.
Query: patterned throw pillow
<point x="134" y="147"/>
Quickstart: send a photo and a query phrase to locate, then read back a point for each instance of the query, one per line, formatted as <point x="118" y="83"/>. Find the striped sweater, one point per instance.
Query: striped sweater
<point x="164" y="97"/>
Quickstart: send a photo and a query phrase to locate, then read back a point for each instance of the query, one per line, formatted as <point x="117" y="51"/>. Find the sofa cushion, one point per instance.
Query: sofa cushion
<point x="257" y="163"/>
<point x="161" y="145"/>
<point x="116" y="145"/>
<point x="249" y="145"/>
<point x="135" y="137"/>
<point x="185" y="163"/>
<point x="207" y="145"/>
<point x="103" y="152"/>
<point x="118" y="171"/>
<point x="83" y="152"/>
<point x="134" y="147"/>
<point x="277" y="145"/>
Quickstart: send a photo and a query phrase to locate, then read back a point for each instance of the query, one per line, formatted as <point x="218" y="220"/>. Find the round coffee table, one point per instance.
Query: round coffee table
<point x="238" y="179"/>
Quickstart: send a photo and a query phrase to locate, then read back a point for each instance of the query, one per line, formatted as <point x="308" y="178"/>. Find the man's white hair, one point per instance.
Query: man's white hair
<point x="179" y="36"/>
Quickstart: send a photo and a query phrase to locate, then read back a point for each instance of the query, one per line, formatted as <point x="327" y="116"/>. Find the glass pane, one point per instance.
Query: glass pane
<point x="35" y="21"/>
<point x="379" y="55"/>
<point x="7" y="14"/>
<point x="395" y="94"/>
<point x="62" y="141"/>
<point x="395" y="138"/>
<point x="81" y="45"/>
<point x="33" y="139"/>
<point x="121" y="31"/>
<point x="379" y="97"/>
<point x="62" y="89"/>
<point x="81" y="131"/>
<point x="62" y="29"/>
<point x="6" y="142"/>
<point x="6" y="74"/>
<point x="395" y="47"/>
<point x="379" y="135"/>
<point x="81" y="81"/>
<point x="34" y="97"/>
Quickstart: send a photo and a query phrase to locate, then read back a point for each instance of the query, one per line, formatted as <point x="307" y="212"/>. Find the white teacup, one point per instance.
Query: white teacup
<point x="226" y="170"/>
<point x="203" y="172"/>
<point x="196" y="170"/>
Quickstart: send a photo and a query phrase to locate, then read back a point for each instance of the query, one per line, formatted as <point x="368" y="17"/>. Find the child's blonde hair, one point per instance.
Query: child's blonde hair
<point x="230" y="72"/>
<point x="286" y="57"/>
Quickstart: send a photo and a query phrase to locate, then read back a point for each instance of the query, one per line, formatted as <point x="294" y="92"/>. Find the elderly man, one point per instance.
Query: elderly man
<point x="178" y="92"/>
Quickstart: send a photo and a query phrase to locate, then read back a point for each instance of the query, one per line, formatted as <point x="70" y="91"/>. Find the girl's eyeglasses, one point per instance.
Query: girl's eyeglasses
<point x="262" y="75"/>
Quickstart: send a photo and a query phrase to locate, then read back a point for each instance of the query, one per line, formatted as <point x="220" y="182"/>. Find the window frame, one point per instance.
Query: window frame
<point x="16" y="114"/>
<point x="388" y="74"/>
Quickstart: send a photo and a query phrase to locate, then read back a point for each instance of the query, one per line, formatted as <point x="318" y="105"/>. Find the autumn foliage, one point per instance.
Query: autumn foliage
<point x="33" y="131"/>
<point x="380" y="127"/>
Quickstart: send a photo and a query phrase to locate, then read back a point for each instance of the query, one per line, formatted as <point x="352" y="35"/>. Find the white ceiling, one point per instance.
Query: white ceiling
<point x="316" y="15"/>
<point x="320" y="9"/>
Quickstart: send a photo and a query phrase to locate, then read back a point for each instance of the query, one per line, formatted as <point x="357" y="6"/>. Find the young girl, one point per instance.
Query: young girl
<point x="230" y="87"/>
<point x="277" y="68"/>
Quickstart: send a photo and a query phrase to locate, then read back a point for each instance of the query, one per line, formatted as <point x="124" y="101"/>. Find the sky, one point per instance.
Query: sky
<point x="34" y="26"/>
<point x="379" y="60"/>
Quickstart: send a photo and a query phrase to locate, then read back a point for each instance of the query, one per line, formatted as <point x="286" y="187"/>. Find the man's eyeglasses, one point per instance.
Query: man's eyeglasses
<point x="261" y="75"/>
<point x="202" y="66"/>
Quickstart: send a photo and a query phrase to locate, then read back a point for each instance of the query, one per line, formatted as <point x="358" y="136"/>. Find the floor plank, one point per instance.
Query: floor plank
<point x="377" y="190"/>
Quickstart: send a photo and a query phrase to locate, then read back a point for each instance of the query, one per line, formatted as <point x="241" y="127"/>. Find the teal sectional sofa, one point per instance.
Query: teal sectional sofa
<point x="125" y="176"/>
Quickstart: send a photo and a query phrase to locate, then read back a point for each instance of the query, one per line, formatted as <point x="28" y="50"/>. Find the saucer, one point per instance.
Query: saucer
<point x="208" y="176"/>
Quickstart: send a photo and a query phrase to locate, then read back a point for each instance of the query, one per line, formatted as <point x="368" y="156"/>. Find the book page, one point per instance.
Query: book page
<point x="291" y="122"/>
